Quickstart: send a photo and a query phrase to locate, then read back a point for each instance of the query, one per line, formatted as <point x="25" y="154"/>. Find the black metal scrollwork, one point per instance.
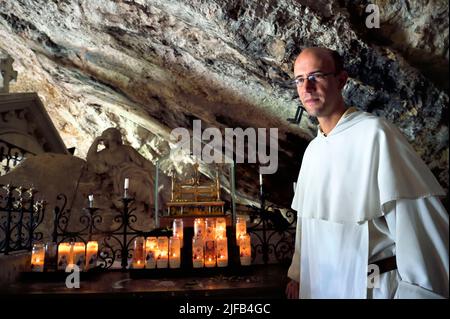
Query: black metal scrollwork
<point x="20" y="215"/>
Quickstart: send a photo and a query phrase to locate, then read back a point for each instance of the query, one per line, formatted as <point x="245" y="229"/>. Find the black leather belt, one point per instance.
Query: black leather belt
<point x="387" y="264"/>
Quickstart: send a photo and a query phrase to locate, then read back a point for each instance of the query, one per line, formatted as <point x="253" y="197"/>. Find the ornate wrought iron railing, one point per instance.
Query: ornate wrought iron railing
<point x="272" y="233"/>
<point x="115" y="243"/>
<point x="10" y="156"/>
<point x="20" y="215"/>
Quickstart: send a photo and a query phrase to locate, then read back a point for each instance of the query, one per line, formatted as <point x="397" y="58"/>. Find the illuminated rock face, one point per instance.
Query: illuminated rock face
<point x="152" y="66"/>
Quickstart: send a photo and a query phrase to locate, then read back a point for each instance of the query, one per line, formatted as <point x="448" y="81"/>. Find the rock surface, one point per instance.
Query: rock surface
<point x="152" y="66"/>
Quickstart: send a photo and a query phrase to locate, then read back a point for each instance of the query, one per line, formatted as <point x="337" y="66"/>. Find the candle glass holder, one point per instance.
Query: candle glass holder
<point x="245" y="250"/>
<point x="162" y="260"/>
<point x="197" y="252"/>
<point x="210" y="253"/>
<point x="64" y="256"/>
<point x="199" y="228"/>
<point x="91" y="254"/>
<point x="210" y="228"/>
<point x="138" y="253"/>
<point x="221" y="227"/>
<point x="241" y="228"/>
<point x="222" y="252"/>
<point x="178" y="229"/>
<point x="174" y="252"/>
<point x="37" y="257"/>
<point x="151" y="252"/>
<point x="79" y="255"/>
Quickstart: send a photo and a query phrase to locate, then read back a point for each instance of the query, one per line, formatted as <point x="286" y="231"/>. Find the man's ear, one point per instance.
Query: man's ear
<point x="342" y="79"/>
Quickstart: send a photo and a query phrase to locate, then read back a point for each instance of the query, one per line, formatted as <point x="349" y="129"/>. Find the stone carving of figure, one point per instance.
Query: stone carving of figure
<point x="116" y="162"/>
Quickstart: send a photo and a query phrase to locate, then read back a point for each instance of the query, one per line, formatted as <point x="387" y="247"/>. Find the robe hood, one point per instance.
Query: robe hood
<point x="351" y="174"/>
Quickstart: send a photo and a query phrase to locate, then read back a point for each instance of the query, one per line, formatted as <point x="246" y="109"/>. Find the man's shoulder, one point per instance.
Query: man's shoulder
<point x="371" y="122"/>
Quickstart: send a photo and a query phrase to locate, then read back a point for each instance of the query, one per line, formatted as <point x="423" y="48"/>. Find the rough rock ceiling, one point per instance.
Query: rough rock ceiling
<point x="151" y="66"/>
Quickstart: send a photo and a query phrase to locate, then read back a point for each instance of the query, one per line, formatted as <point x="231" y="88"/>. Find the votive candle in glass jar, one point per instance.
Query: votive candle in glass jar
<point x="199" y="227"/>
<point x="210" y="253"/>
<point x="138" y="261"/>
<point x="241" y="227"/>
<point x="64" y="255"/>
<point x="221" y="227"/>
<point x="197" y="252"/>
<point x="37" y="257"/>
<point x="245" y="250"/>
<point x="174" y="252"/>
<point x="178" y="229"/>
<point x="210" y="228"/>
<point x="222" y="252"/>
<point x="162" y="260"/>
<point x="91" y="254"/>
<point x="79" y="255"/>
<point x="151" y="252"/>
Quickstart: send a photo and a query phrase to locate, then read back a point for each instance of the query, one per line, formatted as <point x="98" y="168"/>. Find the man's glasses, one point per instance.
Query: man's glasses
<point x="313" y="78"/>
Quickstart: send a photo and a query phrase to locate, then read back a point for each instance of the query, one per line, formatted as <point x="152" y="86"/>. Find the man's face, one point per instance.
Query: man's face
<point x="320" y="98"/>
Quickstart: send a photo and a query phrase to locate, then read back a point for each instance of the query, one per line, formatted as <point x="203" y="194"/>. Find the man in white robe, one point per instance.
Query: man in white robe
<point x="366" y="203"/>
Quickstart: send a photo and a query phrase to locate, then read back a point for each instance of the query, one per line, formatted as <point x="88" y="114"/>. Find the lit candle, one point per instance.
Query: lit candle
<point x="174" y="252"/>
<point x="138" y="253"/>
<point x="79" y="255"/>
<point x="91" y="254"/>
<point x="37" y="257"/>
<point x="241" y="227"/>
<point x="151" y="252"/>
<point x="64" y="255"/>
<point x="125" y="187"/>
<point x="222" y="252"/>
<point x="178" y="229"/>
<point x="163" y="250"/>
<point x="245" y="250"/>
<point x="210" y="253"/>
<point x="210" y="228"/>
<point x="197" y="252"/>
<point x="221" y="227"/>
<point x="91" y="200"/>
<point x="199" y="227"/>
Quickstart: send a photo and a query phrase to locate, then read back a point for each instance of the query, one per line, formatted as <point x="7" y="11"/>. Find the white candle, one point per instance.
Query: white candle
<point x="91" y="200"/>
<point x="260" y="179"/>
<point x="127" y="183"/>
<point x="295" y="186"/>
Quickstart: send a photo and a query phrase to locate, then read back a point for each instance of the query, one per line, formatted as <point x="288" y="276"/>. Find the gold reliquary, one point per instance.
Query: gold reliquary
<point x="191" y="197"/>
